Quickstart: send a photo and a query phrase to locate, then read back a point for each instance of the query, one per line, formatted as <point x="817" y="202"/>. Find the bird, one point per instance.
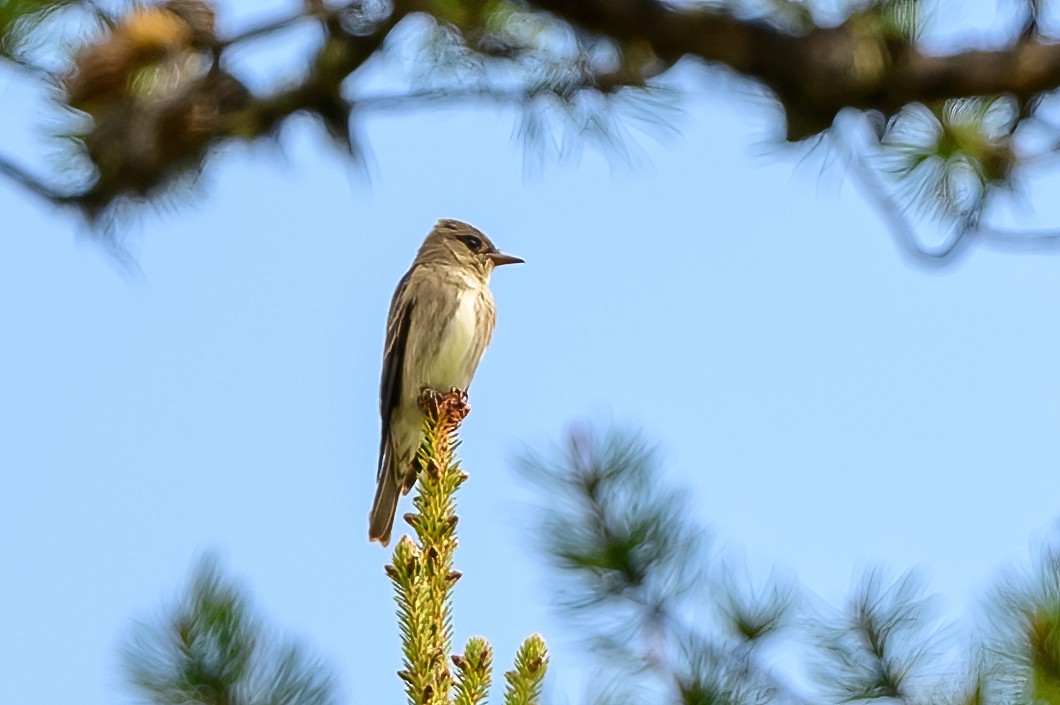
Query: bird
<point x="441" y="319"/>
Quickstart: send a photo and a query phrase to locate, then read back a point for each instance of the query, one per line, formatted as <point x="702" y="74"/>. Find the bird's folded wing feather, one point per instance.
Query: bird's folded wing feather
<point x="397" y="335"/>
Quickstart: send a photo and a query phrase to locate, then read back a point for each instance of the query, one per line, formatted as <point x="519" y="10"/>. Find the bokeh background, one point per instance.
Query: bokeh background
<point x="826" y="404"/>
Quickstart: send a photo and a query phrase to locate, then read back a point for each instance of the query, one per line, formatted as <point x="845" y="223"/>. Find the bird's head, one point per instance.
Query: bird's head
<point x="453" y="242"/>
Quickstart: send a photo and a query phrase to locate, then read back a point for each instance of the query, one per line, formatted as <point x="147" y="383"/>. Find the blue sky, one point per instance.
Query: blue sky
<point x="828" y="406"/>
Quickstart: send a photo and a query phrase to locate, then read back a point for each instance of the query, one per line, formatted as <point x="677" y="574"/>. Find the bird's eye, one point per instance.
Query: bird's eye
<point x="472" y="242"/>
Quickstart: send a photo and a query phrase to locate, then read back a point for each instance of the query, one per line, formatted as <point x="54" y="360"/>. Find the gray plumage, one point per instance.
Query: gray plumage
<point x="441" y="320"/>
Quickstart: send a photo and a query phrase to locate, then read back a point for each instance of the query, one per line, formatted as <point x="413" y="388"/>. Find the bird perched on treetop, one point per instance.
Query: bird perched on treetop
<point x="441" y="319"/>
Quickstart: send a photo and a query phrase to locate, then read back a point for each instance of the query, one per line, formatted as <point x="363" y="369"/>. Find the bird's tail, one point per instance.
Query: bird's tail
<point x="381" y="518"/>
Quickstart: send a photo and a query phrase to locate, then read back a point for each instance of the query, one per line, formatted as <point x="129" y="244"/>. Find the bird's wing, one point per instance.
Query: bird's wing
<point x="397" y="335"/>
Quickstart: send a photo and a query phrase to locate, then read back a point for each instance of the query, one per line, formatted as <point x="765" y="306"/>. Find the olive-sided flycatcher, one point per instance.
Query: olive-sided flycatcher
<point x="440" y="321"/>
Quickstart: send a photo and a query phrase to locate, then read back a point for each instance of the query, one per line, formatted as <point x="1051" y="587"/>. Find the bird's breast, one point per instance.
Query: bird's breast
<point x="462" y="342"/>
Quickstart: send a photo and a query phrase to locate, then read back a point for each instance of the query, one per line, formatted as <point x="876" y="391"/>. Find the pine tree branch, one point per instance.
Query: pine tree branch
<point x="473" y="672"/>
<point x="422" y="570"/>
<point x="857" y="64"/>
<point x="140" y="148"/>
<point x="524" y="681"/>
<point x="423" y="577"/>
<point x="851" y="148"/>
<point x="211" y="649"/>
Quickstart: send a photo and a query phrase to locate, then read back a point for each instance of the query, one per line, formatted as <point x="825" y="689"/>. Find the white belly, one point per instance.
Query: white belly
<point x="455" y="362"/>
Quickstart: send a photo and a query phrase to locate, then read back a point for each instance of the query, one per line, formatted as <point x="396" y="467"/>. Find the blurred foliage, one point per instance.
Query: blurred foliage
<point x="665" y="620"/>
<point x="874" y="648"/>
<point x="151" y="97"/>
<point x="633" y="574"/>
<point x="662" y="616"/>
<point x="1024" y="653"/>
<point x="149" y="93"/>
<point x="952" y="156"/>
<point x="20" y="20"/>
<point x="209" y="649"/>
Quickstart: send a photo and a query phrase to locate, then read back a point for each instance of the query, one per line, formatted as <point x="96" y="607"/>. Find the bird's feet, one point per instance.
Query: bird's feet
<point x="452" y="404"/>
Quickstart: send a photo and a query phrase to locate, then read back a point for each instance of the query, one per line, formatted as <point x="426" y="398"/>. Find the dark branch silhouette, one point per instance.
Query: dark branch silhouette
<point x="155" y="98"/>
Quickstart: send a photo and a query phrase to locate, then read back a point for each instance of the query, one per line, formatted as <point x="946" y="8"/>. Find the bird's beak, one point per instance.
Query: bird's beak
<point x="499" y="258"/>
